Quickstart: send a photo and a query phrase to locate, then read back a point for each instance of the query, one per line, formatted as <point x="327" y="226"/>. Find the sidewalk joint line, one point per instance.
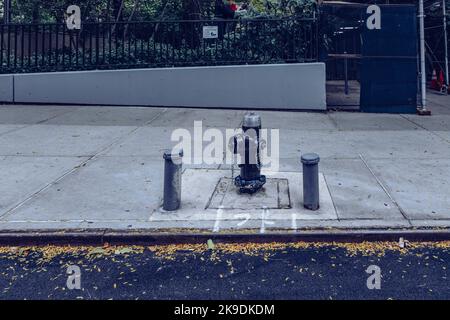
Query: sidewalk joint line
<point x="333" y="121"/>
<point x="58" y="115"/>
<point x="77" y="167"/>
<point x="385" y="190"/>
<point x="331" y="196"/>
<point x="164" y="110"/>
<point x="27" y="125"/>
<point x="15" y="129"/>
<point x="421" y="126"/>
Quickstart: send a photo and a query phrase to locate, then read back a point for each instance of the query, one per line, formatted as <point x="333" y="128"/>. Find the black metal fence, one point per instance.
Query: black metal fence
<point x="52" y="47"/>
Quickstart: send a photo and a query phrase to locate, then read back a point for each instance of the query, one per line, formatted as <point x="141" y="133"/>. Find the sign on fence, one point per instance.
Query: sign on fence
<point x="210" y="32"/>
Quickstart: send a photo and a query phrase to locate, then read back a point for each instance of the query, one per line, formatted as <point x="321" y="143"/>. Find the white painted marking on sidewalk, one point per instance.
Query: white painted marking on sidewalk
<point x="294" y="222"/>
<point x="218" y="218"/>
<point x="244" y="216"/>
<point x="264" y="215"/>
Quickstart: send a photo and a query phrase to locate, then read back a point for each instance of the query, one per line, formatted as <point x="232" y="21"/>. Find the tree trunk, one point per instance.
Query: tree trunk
<point x="192" y="10"/>
<point x="35" y="13"/>
<point x="108" y="9"/>
<point x="160" y="18"/>
<point x="130" y="18"/>
<point x="117" y="11"/>
<point x="7" y="11"/>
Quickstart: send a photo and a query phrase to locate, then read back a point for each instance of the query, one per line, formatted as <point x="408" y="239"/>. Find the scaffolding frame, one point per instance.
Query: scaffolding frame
<point x="442" y="25"/>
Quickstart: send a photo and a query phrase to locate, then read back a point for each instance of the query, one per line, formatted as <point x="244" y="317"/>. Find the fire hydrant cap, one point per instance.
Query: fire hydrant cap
<point x="252" y="120"/>
<point x="173" y="154"/>
<point x="310" y="158"/>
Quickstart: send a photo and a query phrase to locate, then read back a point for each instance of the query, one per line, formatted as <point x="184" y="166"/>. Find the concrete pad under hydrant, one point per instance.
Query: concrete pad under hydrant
<point x="209" y="194"/>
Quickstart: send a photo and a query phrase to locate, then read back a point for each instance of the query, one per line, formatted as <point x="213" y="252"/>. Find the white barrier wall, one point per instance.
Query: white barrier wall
<point x="6" y="88"/>
<point x="283" y="86"/>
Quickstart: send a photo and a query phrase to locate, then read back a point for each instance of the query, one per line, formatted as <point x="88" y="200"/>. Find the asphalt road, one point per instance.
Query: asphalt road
<point x="287" y="273"/>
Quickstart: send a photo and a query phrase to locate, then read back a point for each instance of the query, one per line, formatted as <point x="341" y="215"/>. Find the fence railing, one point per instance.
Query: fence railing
<point x="52" y="47"/>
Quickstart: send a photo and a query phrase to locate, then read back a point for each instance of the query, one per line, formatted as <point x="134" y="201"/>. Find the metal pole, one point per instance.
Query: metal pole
<point x="444" y="14"/>
<point x="310" y="165"/>
<point x="172" y="180"/>
<point x="346" y="74"/>
<point x="423" y="88"/>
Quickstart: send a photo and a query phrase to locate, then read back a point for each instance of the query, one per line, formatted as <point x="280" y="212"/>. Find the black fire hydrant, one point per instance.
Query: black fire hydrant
<point x="248" y="145"/>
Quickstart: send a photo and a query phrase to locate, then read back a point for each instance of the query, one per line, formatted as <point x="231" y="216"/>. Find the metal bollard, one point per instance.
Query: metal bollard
<point x="310" y="163"/>
<point x="172" y="180"/>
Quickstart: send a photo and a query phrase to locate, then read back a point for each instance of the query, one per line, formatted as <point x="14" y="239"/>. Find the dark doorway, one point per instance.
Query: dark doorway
<point x="341" y="29"/>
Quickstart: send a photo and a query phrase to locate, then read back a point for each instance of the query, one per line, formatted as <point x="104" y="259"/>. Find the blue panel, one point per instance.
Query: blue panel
<point x="389" y="62"/>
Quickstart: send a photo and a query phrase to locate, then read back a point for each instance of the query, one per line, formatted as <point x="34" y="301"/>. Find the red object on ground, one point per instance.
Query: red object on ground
<point x="233" y="6"/>
<point x="441" y="79"/>
<point x="434" y="83"/>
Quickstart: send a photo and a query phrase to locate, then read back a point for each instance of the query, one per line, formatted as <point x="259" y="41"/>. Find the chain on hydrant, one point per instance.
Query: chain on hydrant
<point x="248" y="146"/>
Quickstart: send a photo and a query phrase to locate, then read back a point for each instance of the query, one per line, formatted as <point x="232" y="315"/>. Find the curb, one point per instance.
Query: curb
<point x="118" y="237"/>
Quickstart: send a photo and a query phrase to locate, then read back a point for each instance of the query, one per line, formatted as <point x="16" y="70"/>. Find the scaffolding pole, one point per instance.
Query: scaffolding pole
<point x="444" y="14"/>
<point x="423" y="89"/>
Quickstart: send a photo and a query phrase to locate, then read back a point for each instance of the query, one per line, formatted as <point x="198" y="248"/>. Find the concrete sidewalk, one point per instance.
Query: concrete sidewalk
<point x="85" y="168"/>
